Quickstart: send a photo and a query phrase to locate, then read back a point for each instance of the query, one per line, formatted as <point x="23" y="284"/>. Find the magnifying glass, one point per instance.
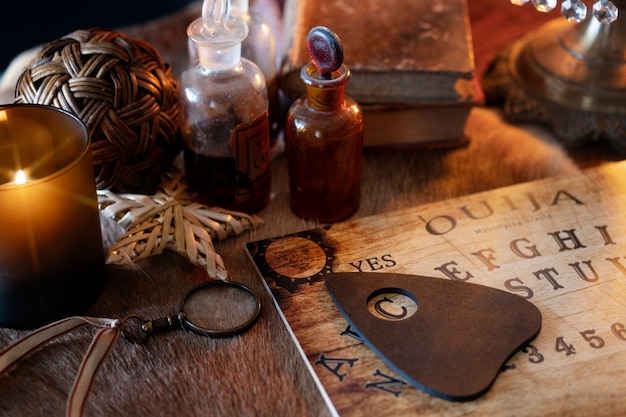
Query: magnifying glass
<point x="212" y="309"/>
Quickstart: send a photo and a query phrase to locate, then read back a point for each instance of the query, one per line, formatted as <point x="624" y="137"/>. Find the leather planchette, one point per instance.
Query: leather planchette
<point x="447" y="338"/>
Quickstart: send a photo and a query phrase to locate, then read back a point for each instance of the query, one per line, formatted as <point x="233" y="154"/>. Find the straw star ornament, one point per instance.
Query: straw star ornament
<point x="170" y="220"/>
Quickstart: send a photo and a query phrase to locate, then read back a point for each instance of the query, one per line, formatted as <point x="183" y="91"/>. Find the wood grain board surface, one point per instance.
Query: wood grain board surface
<point x="559" y="243"/>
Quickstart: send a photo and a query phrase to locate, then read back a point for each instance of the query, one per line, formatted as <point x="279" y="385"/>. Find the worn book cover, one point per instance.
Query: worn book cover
<point x="559" y="243"/>
<point x="406" y="58"/>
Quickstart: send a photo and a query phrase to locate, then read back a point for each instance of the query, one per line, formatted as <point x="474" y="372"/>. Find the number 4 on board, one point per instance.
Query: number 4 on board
<point x="562" y="346"/>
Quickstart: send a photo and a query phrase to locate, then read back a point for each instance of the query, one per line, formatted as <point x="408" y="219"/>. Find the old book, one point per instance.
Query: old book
<point x="411" y="64"/>
<point x="559" y="243"/>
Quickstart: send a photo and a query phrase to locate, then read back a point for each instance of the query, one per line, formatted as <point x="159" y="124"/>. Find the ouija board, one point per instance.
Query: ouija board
<point x="559" y="243"/>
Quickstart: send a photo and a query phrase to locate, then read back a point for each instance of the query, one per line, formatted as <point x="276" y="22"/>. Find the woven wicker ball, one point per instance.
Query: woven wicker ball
<point x="121" y="89"/>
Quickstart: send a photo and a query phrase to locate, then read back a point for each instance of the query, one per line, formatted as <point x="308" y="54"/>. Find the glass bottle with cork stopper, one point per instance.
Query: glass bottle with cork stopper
<point x="224" y="109"/>
<point x="324" y="136"/>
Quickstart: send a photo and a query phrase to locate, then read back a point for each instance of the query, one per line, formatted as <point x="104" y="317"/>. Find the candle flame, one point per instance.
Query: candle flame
<point x="20" y="177"/>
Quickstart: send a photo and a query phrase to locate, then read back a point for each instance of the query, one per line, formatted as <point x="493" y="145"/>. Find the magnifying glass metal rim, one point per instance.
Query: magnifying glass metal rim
<point x="189" y="325"/>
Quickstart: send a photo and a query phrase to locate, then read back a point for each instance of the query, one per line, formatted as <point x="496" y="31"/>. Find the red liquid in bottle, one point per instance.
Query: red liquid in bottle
<point x="238" y="180"/>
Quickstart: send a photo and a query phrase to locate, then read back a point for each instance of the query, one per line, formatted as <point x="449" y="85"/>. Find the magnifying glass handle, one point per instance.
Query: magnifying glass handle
<point x="164" y="324"/>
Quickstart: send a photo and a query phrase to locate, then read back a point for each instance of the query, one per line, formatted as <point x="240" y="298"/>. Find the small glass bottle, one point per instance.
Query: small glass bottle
<point x="260" y="48"/>
<point x="324" y="137"/>
<point x="224" y="109"/>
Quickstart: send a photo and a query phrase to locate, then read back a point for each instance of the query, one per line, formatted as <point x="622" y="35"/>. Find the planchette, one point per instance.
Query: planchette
<point x="447" y="338"/>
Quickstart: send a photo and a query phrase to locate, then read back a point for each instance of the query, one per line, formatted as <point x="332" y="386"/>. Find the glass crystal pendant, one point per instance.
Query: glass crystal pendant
<point x="544" y="5"/>
<point x="574" y="10"/>
<point x="605" y="11"/>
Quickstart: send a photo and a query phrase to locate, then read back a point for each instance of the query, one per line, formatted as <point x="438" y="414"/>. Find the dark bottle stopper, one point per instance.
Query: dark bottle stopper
<point x="325" y="50"/>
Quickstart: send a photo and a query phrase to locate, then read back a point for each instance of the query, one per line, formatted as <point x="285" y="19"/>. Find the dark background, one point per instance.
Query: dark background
<point x="27" y="24"/>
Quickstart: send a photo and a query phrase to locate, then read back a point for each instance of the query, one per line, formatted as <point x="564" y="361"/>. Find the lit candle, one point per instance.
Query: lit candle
<point x="20" y="177"/>
<point x="51" y="254"/>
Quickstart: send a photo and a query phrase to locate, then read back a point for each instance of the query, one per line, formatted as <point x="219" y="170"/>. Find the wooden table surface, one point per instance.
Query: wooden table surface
<point x="259" y="373"/>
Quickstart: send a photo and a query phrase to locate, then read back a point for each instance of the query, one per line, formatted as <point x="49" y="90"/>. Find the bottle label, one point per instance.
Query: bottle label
<point x="251" y="147"/>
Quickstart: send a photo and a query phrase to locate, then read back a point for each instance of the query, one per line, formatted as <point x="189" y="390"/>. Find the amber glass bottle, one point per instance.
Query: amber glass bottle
<point x="324" y="144"/>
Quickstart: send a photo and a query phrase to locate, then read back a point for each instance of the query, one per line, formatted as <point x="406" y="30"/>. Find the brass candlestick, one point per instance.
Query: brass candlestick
<point x="569" y="76"/>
